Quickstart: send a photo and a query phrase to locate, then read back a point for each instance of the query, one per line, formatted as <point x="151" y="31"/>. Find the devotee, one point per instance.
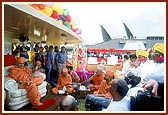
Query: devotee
<point x="144" y="64"/>
<point x="127" y="65"/>
<point x="97" y="78"/>
<point x="50" y="66"/>
<point x="156" y="73"/>
<point x="24" y="49"/>
<point x="61" y="59"/>
<point x="74" y="75"/>
<point x="68" y="103"/>
<point x="118" y="90"/>
<point x="64" y="80"/>
<point x="119" y="66"/>
<point x="105" y="85"/>
<point x="74" y="61"/>
<point x="153" y="81"/>
<point x="38" y="70"/>
<point x="49" y="63"/>
<point x="38" y="67"/>
<point x="45" y="53"/>
<point x="23" y="75"/>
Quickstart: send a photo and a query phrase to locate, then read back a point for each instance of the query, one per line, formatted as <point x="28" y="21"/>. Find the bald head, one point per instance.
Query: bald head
<point x="120" y="86"/>
<point x="99" y="71"/>
<point x="68" y="104"/>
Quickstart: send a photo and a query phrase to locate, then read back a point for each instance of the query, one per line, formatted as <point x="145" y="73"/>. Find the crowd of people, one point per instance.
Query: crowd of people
<point x="104" y="82"/>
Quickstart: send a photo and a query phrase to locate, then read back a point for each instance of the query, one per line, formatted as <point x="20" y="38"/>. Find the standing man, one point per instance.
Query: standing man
<point x="54" y="72"/>
<point x="56" y="50"/>
<point x="45" y="54"/>
<point x="61" y="59"/>
<point x="49" y="64"/>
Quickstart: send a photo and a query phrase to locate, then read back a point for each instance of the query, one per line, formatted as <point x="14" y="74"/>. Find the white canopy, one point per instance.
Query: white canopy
<point x="134" y="45"/>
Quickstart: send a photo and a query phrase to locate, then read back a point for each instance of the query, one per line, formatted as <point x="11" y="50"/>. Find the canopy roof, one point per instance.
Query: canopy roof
<point x="21" y="18"/>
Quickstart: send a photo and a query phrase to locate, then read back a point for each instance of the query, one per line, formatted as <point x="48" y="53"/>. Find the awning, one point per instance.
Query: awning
<point x="20" y="18"/>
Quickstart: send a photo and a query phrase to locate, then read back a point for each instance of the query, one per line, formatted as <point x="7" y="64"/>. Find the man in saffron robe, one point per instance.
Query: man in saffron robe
<point x="97" y="78"/>
<point x="105" y="85"/>
<point x="23" y="75"/>
<point x="64" y="80"/>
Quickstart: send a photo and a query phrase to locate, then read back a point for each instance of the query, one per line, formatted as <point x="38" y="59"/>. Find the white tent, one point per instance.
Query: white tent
<point x="134" y="45"/>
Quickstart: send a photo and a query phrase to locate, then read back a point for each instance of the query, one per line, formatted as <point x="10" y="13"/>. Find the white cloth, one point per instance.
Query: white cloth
<point x="123" y="105"/>
<point x="38" y="73"/>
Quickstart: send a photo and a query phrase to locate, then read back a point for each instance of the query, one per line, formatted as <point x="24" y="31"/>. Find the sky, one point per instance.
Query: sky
<point x="139" y="17"/>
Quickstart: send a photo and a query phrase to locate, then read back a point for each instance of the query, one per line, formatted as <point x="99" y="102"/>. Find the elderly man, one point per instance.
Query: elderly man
<point x="105" y="85"/>
<point x="64" y="80"/>
<point x="118" y="90"/>
<point x="97" y="78"/>
<point x="68" y="104"/>
<point x="23" y="75"/>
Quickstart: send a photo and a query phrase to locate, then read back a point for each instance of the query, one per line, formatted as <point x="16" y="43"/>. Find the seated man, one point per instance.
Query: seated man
<point x="68" y="104"/>
<point x="105" y="85"/>
<point x="64" y="80"/>
<point x="37" y="70"/>
<point x="118" y="91"/>
<point x="97" y="78"/>
<point x="38" y="67"/>
<point x="23" y="75"/>
<point x="74" y="75"/>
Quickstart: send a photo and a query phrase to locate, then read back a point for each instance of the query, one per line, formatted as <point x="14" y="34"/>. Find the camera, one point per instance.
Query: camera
<point x="144" y="94"/>
<point x="132" y="79"/>
<point x="146" y="101"/>
<point x="96" y="103"/>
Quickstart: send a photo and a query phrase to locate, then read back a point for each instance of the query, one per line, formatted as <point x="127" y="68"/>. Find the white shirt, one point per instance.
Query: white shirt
<point x="150" y="70"/>
<point x="143" y="69"/>
<point x="157" y="72"/>
<point x="123" y="105"/>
